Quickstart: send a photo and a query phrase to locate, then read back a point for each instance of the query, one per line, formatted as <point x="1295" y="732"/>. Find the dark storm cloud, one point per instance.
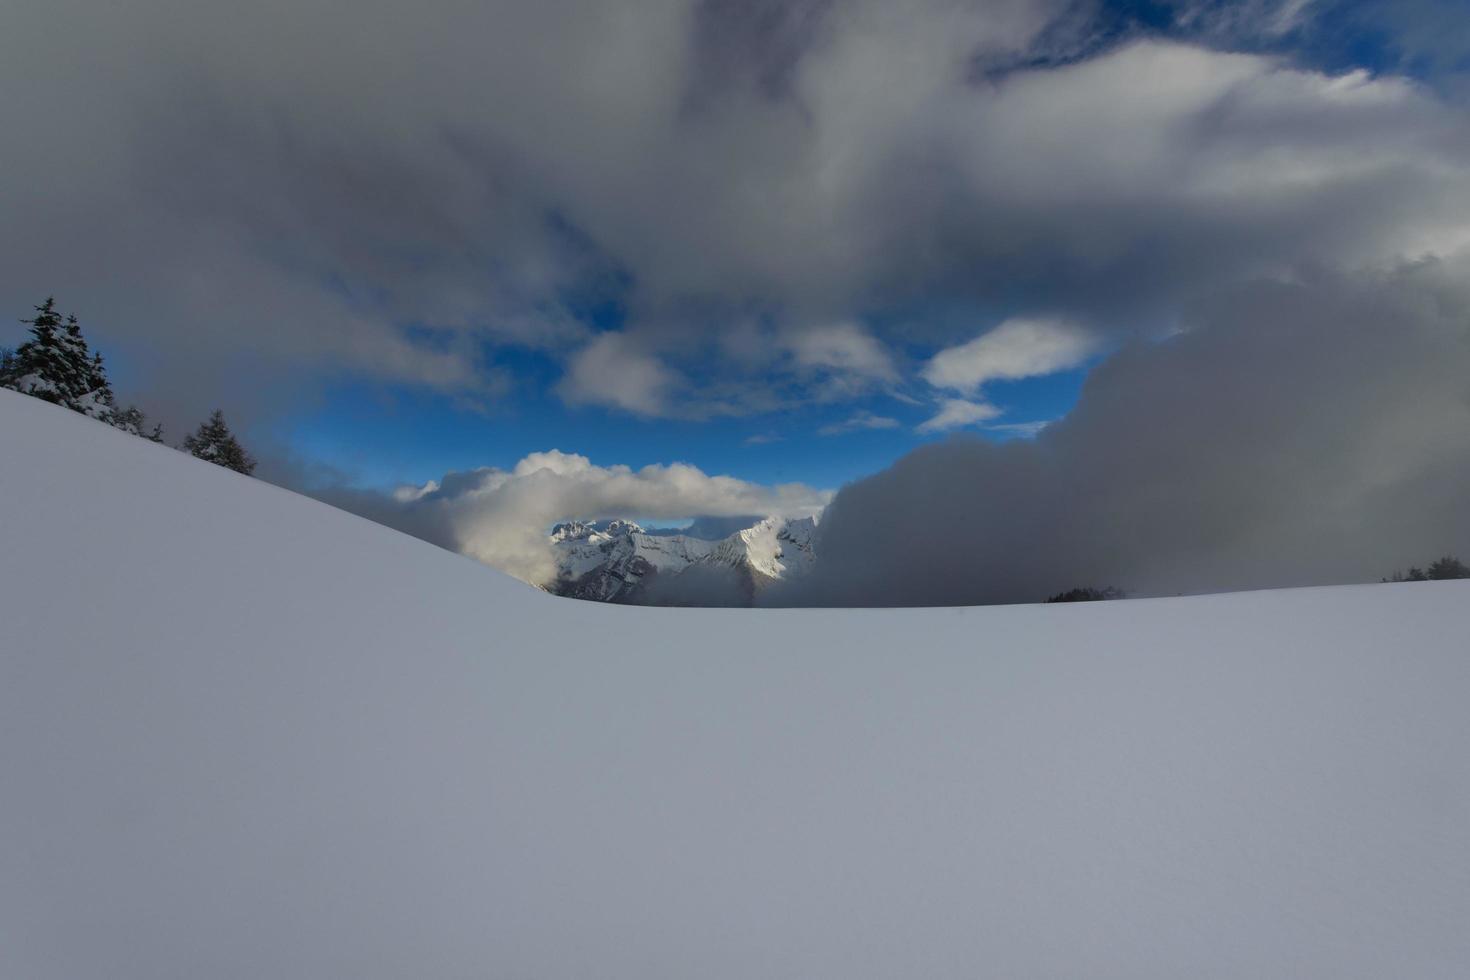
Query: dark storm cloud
<point x="757" y="43"/>
<point x="281" y="181"/>
<point x="1297" y="433"/>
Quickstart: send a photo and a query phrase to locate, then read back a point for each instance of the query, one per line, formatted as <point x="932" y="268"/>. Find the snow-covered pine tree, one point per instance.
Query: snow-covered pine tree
<point x="132" y="420"/>
<point x="56" y="365"/>
<point x="213" y="441"/>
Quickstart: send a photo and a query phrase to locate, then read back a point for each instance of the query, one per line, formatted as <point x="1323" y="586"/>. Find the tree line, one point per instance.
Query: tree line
<point x="1089" y="594"/>
<point x="1448" y="567"/>
<point x="1441" y="569"/>
<point x="57" y="365"/>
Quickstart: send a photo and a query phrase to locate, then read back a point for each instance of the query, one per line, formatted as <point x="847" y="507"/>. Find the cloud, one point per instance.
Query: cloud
<point x="860" y="421"/>
<point x="840" y="361"/>
<point x="843" y="348"/>
<point x="611" y="371"/>
<point x="1243" y="22"/>
<point x="955" y="413"/>
<point x="1017" y="348"/>
<point x="266" y="196"/>
<point x="501" y="517"/>
<point x="1022" y="430"/>
<point x="1306" y="432"/>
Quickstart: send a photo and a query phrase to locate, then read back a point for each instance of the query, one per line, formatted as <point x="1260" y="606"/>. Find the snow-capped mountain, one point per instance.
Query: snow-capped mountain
<point x="619" y="561"/>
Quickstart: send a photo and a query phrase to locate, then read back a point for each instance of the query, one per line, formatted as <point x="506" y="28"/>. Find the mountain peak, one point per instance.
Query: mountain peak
<point x="622" y="527"/>
<point x="619" y="561"/>
<point x="571" y="531"/>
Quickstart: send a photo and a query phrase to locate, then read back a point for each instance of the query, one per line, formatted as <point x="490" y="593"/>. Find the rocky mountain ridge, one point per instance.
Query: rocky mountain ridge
<point x="620" y="561"/>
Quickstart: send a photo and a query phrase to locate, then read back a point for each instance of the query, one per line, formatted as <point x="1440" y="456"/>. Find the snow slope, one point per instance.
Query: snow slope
<point x="243" y="734"/>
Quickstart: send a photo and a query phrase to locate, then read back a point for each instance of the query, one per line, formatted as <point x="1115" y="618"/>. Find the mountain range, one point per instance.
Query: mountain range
<point x="621" y="561"/>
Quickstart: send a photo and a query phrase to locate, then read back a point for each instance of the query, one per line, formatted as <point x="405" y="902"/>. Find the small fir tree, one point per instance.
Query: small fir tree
<point x="56" y="366"/>
<point x="213" y="441"/>
<point x="134" y="421"/>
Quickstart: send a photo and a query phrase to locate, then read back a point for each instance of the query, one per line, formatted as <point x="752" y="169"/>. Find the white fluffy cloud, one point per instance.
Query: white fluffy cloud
<point x="612" y="371"/>
<point x="1018" y="348"/>
<point x="955" y="413"/>
<point x="843" y="349"/>
<point x="501" y="517"/>
<point x="859" y="422"/>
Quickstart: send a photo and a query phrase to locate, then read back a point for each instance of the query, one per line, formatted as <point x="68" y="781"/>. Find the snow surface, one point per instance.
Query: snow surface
<point x="243" y="734"/>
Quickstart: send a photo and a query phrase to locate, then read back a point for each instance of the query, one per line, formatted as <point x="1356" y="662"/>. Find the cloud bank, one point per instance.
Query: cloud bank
<point x="1299" y="432"/>
<point x="502" y="517"/>
<point x="248" y="199"/>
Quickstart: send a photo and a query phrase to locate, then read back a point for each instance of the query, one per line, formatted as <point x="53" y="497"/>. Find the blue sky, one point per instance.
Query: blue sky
<point x="383" y="436"/>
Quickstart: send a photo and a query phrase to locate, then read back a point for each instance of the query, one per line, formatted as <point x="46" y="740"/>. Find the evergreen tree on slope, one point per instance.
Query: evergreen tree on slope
<point x="132" y="420"/>
<point x="213" y="441"/>
<point x="1448" y="567"/>
<point x="56" y="365"/>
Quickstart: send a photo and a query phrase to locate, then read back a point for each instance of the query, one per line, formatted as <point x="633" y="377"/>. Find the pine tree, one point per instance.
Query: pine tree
<point x="42" y="366"/>
<point x="213" y="441"/>
<point x="1448" y="567"/>
<point x="133" y="421"/>
<point x="56" y="366"/>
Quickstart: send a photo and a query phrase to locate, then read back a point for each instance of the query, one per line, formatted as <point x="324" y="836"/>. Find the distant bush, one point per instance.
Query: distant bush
<point x="1448" y="567"/>
<point x="1089" y="595"/>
